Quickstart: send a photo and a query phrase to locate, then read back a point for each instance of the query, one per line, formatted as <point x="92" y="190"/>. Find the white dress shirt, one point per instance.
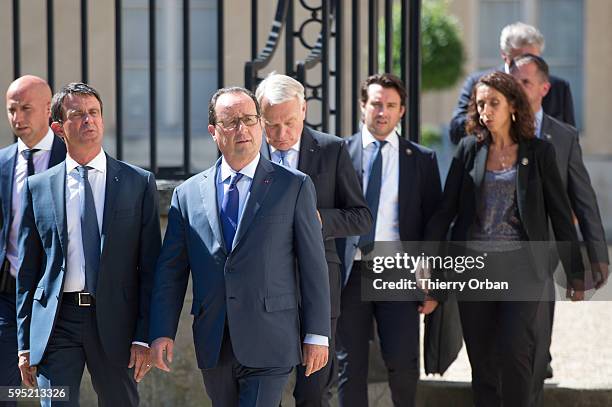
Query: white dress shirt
<point x="244" y="192"/>
<point x="41" y="163"/>
<point x="387" y="217"/>
<point x="291" y="159"/>
<point x="75" y="263"/>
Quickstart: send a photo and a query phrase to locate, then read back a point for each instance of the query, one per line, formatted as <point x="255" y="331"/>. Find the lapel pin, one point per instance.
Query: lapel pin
<point x="408" y="151"/>
<point x="524" y="161"/>
<point x="548" y="136"/>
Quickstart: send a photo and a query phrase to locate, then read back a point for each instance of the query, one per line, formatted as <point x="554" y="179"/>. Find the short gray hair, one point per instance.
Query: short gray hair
<point x="277" y="88"/>
<point x="519" y="35"/>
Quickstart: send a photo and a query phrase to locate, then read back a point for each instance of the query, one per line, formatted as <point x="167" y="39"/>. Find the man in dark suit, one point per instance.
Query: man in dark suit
<point x="28" y="105"/>
<point x="341" y="207"/>
<point x="401" y="183"/>
<point x="531" y="72"/>
<point x="516" y="39"/>
<point x="88" y="242"/>
<point x="247" y="229"/>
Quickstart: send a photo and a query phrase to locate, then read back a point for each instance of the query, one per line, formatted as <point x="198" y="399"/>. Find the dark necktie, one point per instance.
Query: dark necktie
<point x="283" y="157"/>
<point x="29" y="156"/>
<point x="373" y="194"/>
<point x="90" y="233"/>
<point x="229" y="211"/>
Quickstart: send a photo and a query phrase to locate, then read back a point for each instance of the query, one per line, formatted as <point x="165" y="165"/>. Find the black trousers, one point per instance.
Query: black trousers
<point x="316" y="389"/>
<point x="500" y="338"/>
<point x="9" y="372"/>
<point x="74" y="342"/>
<point x="398" y="329"/>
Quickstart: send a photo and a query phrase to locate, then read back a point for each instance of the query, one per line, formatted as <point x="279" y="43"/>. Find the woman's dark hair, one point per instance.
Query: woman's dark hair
<point x="524" y="126"/>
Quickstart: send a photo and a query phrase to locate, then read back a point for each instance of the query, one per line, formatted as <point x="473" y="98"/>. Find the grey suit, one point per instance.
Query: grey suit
<point x="582" y="197"/>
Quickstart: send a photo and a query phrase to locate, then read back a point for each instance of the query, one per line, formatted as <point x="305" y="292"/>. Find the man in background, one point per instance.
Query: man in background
<point x="341" y="207"/>
<point x="28" y="105"/>
<point x="517" y="39"/>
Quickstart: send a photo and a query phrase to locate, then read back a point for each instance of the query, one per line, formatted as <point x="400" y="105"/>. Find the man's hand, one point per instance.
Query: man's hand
<point x="140" y="360"/>
<point x="428" y="306"/>
<point x="158" y="348"/>
<point x="575" y="290"/>
<point x="315" y="357"/>
<point x="28" y="373"/>
<point x="600" y="274"/>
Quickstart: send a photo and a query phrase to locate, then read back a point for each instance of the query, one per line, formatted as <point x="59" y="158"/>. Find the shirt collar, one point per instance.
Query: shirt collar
<point x="295" y="147"/>
<point x="248" y="170"/>
<point x="367" y="138"/>
<point x="98" y="163"/>
<point x="43" y="145"/>
<point x="538" y="121"/>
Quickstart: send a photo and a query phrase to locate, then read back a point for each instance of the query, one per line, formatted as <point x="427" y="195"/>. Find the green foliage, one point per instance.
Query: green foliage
<point x="442" y="54"/>
<point x="430" y="136"/>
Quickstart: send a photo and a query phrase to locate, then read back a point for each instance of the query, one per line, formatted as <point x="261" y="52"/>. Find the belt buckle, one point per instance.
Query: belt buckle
<point x="84" y="299"/>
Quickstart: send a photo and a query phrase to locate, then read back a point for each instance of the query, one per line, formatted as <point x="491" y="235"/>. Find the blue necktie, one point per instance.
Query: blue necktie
<point x="29" y="156"/>
<point x="373" y="193"/>
<point x="89" y="233"/>
<point x="229" y="212"/>
<point x="283" y="157"/>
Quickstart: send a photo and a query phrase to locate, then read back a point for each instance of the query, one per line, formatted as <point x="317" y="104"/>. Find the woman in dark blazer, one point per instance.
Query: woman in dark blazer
<point x="502" y="189"/>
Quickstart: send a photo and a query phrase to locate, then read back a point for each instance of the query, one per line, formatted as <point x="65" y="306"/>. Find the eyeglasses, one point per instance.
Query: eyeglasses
<point x="248" y="120"/>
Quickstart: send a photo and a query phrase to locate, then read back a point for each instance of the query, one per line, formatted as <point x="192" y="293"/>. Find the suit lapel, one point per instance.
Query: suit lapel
<point x="208" y="193"/>
<point x="113" y="187"/>
<point x="480" y="167"/>
<point x="524" y="162"/>
<point x="545" y="132"/>
<point x="7" y="168"/>
<point x="57" y="186"/>
<point x="309" y="147"/>
<point x="355" y="150"/>
<point x="407" y="176"/>
<point x="259" y="189"/>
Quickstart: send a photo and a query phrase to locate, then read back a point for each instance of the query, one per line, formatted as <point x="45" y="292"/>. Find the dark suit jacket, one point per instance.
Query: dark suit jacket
<point x="557" y="103"/>
<point x="251" y="288"/>
<point x="130" y="240"/>
<point x="540" y="196"/>
<point x="577" y="184"/>
<point x="419" y="193"/>
<point x="340" y="202"/>
<point x="8" y="159"/>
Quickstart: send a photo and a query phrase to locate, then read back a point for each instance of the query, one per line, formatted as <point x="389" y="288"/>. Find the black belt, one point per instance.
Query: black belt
<point x="8" y="284"/>
<point x="81" y="299"/>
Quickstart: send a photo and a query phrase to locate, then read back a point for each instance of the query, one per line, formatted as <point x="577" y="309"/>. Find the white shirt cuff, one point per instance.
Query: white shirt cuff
<point x="21" y="352"/>
<point x="313" y="339"/>
<point x="146" y="345"/>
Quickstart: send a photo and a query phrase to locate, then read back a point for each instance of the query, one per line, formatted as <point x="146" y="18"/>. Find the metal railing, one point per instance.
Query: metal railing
<point x="329" y="92"/>
<point x="330" y="16"/>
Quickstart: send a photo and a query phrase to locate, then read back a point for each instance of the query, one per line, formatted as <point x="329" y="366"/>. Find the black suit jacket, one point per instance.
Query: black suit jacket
<point x="343" y="209"/>
<point x="8" y="159"/>
<point x="419" y="192"/>
<point x="558" y="102"/>
<point x="577" y="184"/>
<point x="540" y="197"/>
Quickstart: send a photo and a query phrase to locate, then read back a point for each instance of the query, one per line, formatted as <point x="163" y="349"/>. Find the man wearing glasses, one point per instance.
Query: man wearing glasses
<point x="248" y="230"/>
